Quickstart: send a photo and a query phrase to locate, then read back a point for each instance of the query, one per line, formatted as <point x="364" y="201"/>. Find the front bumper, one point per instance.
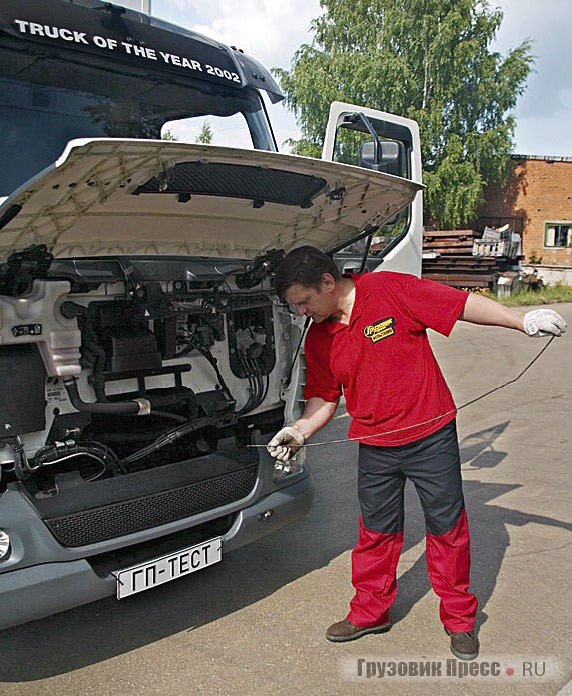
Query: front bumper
<point x="42" y="590"/>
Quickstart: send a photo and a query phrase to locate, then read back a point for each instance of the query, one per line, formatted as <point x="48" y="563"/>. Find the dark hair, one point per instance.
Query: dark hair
<point x="305" y="265"/>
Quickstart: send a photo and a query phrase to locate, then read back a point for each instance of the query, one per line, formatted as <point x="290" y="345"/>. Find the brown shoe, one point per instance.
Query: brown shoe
<point x="464" y="645"/>
<point x="346" y="630"/>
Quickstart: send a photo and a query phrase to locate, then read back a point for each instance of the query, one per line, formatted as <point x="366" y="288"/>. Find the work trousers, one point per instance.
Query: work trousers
<point x="433" y="465"/>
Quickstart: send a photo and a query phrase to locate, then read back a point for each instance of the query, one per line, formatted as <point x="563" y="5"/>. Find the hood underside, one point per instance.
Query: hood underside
<point x="126" y="197"/>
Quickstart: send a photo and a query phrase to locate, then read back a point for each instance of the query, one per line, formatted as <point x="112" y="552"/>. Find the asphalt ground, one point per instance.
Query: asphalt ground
<point x="255" y="623"/>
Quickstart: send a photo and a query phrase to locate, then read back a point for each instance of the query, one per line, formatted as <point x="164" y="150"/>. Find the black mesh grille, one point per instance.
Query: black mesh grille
<point x="127" y="517"/>
<point x="236" y="181"/>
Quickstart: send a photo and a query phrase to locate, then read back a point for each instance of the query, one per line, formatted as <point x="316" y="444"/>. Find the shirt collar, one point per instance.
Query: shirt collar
<point x="362" y="293"/>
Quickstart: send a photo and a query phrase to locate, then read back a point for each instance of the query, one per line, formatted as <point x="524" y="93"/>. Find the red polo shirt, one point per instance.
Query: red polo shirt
<point x="382" y="359"/>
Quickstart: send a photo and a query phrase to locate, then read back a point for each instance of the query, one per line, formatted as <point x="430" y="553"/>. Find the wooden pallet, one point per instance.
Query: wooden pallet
<point x="448" y="258"/>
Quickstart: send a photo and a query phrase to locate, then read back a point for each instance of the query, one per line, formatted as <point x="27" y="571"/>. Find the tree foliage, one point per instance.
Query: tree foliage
<point x="429" y="60"/>
<point x="205" y="135"/>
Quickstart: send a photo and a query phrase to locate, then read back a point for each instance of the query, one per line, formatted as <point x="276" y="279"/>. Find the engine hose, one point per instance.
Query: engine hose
<point x="96" y="358"/>
<point x="205" y="352"/>
<point x="60" y="452"/>
<point x="250" y="403"/>
<point x="169" y="437"/>
<point x="137" y="407"/>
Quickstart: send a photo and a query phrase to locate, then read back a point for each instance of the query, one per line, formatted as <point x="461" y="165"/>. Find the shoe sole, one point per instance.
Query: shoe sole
<point x="359" y="634"/>
<point x="465" y="656"/>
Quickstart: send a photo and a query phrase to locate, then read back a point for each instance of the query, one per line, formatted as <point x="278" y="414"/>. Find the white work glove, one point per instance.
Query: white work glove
<point x="285" y="444"/>
<point x="544" y="322"/>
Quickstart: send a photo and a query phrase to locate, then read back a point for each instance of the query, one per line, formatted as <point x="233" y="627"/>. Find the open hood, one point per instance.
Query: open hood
<point x="137" y="197"/>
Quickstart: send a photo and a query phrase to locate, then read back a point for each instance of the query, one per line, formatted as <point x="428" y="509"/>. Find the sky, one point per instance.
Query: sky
<point x="272" y="30"/>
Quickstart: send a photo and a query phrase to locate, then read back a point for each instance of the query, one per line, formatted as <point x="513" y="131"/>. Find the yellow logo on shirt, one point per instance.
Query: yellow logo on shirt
<point x="379" y="329"/>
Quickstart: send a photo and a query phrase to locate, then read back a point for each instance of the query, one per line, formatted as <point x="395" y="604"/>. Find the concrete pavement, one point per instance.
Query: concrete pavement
<point x="255" y="624"/>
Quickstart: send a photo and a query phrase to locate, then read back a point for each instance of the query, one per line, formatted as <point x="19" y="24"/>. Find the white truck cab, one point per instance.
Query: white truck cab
<point x="143" y="350"/>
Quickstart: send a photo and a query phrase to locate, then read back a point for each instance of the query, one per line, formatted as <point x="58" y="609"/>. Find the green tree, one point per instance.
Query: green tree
<point x="429" y="60"/>
<point x="205" y="135"/>
<point x="169" y="135"/>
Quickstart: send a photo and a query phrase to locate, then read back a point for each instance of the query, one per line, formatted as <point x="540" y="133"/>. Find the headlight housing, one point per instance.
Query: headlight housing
<point x="4" y="545"/>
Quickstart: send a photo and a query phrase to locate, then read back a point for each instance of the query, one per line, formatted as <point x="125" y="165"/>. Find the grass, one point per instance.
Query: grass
<point x="547" y="294"/>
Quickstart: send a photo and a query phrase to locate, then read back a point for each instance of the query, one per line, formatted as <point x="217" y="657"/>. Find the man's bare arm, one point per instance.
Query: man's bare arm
<point x="482" y="310"/>
<point x="536" y="322"/>
<point x="286" y="442"/>
<point x="317" y="414"/>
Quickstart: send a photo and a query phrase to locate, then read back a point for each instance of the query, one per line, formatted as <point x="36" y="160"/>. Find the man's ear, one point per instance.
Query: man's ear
<point x="328" y="282"/>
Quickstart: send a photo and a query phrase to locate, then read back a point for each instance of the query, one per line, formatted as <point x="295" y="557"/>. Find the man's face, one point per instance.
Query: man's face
<point x="309" y="302"/>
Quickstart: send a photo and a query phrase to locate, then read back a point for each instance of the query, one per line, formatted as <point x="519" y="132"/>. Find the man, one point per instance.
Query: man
<point x="368" y="338"/>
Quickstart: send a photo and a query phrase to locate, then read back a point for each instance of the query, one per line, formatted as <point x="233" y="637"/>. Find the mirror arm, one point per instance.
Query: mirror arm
<point x="371" y="130"/>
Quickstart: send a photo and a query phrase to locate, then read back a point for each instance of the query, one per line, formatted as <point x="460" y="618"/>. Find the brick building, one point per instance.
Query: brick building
<point x="537" y="202"/>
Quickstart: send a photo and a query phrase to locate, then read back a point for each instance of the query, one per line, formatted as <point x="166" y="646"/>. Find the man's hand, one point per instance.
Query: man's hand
<point x="544" y="322"/>
<point x="285" y="444"/>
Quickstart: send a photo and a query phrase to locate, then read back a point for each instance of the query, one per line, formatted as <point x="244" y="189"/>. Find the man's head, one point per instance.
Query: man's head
<point x="307" y="278"/>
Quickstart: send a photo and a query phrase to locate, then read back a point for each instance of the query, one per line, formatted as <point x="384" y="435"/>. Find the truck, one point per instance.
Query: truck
<point x="145" y="359"/>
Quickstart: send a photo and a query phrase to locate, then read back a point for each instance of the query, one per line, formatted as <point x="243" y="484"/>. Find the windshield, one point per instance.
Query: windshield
<point x="36" y="122"/>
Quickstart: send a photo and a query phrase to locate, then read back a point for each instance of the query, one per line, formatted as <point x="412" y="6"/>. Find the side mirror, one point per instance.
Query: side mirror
<point x="390" y="156"/>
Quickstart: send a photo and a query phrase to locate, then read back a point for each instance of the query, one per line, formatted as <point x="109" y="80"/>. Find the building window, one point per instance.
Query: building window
<point x="558" y="234"/>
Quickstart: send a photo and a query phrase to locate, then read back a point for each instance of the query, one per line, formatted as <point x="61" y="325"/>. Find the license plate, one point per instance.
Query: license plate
<point x="161" y="570"/>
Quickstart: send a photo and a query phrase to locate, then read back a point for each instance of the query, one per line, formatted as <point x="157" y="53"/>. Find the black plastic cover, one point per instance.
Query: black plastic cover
<point x="22" y="377"/>
<point x="261" y="185"/>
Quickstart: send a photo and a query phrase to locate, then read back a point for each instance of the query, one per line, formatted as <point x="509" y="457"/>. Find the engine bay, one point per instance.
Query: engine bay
<point x="115" y="365"/>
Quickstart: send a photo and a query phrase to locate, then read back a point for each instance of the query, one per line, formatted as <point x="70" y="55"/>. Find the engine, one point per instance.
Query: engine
<point x="115" y="366"/>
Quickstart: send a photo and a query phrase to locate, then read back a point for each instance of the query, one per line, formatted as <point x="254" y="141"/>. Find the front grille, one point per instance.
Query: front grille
<point x="128" y="556"/>
<point x="130" y="516"/>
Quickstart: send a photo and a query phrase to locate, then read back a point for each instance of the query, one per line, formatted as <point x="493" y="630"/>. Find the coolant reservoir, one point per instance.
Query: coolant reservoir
<point x="36" y="318"/>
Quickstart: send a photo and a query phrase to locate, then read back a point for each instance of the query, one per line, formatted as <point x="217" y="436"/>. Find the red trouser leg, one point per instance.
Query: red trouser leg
<point x="448" y="564"/>
<point x="374" y="566"/>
